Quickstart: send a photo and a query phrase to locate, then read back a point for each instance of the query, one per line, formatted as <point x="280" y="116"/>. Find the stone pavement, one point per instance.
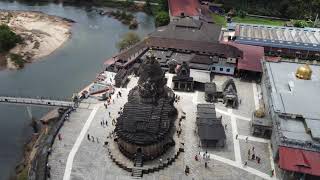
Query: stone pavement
<point x="89" y="160"/>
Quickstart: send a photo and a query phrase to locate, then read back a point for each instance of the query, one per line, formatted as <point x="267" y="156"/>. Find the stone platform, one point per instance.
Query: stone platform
<point x="76" y="157"/>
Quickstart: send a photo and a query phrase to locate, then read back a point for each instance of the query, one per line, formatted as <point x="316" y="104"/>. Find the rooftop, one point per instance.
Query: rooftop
<point x="294" y="100"/>
<point x="209" y="126"/>
<point x="187" y="7"/>
<point x="277" y="36"/>
<point x="252" y="56"/>
<point x="189" y="29"/>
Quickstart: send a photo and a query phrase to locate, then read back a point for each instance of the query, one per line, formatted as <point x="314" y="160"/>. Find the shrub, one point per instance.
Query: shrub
<point x="17" y="60"/>
<point x="300" y="23"/>
<point x="162" y="18"/>
<point x="128" y="40"/>
<point x="241" y="13"/>
<point x="8" y="39"/>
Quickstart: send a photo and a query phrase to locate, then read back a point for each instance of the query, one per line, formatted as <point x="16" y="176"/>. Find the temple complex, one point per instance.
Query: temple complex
<point x="145" y="128"/>
<point x="182" y="81"/>
<point x="289" y="92"/>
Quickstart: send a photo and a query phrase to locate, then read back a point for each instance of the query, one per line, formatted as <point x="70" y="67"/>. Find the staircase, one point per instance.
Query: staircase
<point x="136" y="173"/>
<point x="138" y="160"/>
<point x="138" y="163"/>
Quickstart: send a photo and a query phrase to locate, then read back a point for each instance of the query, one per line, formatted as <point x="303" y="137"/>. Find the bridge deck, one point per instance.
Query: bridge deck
<point x="35" y="101"/>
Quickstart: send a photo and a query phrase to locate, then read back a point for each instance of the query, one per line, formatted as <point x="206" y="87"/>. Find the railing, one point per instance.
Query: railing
<point x="35" y="101"/>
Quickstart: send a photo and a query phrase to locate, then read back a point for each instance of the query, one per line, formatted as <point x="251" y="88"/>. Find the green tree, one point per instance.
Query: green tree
<point x="128" y="40"/>
<point x="300" y="23"/>
<point x="164" y="5"/>
<point x="162" y="18"/>
<point x="8" y="39"/>
<point x="147" y="7"/>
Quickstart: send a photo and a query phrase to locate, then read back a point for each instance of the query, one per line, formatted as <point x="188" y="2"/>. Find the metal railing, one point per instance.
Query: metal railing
<point x="35" y="101"/>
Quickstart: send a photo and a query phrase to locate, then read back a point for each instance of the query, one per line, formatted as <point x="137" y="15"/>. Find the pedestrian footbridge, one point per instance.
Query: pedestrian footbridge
<point x="35" y="101"/>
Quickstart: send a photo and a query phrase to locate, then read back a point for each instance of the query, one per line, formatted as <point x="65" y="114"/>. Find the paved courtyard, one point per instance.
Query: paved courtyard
<point x="77" y="157"/>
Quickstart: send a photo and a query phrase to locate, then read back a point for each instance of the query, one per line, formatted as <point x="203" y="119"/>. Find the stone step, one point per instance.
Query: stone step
<point x="136" y="172"/>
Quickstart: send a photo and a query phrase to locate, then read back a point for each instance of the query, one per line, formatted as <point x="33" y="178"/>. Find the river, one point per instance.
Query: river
<point x="67" y="70"/>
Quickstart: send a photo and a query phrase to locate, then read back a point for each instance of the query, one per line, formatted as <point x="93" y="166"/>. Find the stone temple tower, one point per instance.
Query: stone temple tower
<point x="145" y="128"/>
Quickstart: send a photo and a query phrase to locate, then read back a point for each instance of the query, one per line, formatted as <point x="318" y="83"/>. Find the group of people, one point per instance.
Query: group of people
<point x="205" y="157"/>
<point x="91" y="138"/>
<point x="252" y="156"/>
<point x="106" y="104"/>
<point x="104" y="123"/>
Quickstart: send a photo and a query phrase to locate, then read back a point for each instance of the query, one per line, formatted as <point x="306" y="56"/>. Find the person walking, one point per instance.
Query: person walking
<point x="253" y="157"/>
<point x="92" y="138"/>
<point x="187" y="170"/>
<point x="88" y="136"/>
<point x="106" y="123"/>
<point x="258" y="159"/>
<point x="246" y="139"/>
<point x="59" y="137"/>
<point x="109" y="114"/>
<point x="237" y="136"/>
<point x="225" y="127"/>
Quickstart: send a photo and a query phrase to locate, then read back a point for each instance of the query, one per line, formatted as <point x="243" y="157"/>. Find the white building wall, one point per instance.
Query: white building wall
<point x="220" y="68"/>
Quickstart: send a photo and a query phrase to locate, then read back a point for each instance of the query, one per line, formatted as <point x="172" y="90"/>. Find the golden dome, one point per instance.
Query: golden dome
<point x="259" y="113"/>
<point x="304" y="72"/>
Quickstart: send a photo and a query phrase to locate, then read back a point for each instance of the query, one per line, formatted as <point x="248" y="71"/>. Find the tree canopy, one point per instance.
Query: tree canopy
<point x="128" y="40"/>
<point x="8" y="38"/>
<point x="291" y="9"/>
<point x="162" y="18"/>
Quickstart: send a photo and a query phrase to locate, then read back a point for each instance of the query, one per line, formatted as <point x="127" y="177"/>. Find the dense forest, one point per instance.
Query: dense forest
<point x="291" y="9"/>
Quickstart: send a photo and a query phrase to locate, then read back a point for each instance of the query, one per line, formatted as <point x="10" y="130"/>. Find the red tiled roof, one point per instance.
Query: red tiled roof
<point x="252" y="56"/>
<point x="299" y="160"/>
<point x="188" y="7"/>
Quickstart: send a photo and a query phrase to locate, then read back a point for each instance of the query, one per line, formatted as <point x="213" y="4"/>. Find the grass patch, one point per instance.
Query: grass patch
<point x="23" y="175"/>
<point x="17" y="60"/>
<point x="220" y="20"/>
<point x="255" y="20"/>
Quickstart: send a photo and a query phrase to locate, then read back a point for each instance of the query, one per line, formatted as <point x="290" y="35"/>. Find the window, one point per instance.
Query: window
<point x="213" y="68"/>
<point x="228" y="70"/>
<point x="221" y="69"/>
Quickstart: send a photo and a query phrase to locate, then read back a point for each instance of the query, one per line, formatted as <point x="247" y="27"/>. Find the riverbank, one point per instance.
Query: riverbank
<point x="42" y="34"/>
<point x="33" y="163"/>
